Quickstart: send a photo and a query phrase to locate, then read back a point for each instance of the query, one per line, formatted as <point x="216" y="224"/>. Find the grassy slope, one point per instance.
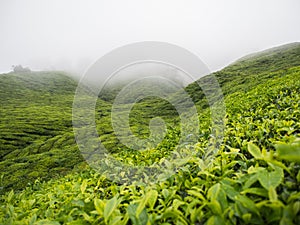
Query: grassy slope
<point x="252" y="70"/>
<point x="36" y="127"/>
<point x="262" y="99"/>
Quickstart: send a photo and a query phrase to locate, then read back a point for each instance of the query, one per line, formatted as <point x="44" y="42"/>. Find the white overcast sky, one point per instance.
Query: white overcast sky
<point x="70" y="35"/>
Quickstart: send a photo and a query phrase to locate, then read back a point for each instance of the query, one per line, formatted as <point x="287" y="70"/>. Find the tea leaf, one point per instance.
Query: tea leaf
<point x="254" y="151"/>
<point x="289" y="152"/>
<point x="83" y="186"/>
<point x="272" y="194"/>
<point x="270" y="179"/>
<point x="247" y="203"/>
<point x="109" y="208"/>
<point x="151" y="198"/>
<point x="99" y="206"/>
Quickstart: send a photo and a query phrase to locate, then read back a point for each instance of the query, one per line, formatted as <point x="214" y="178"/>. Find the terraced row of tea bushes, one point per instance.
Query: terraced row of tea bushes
<point x="36" y="139"/>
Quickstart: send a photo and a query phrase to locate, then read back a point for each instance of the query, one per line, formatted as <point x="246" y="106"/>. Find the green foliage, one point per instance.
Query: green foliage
<point x="254" y="177"/>
<point x="289" y="151"/>
<point x="36" y="139"/>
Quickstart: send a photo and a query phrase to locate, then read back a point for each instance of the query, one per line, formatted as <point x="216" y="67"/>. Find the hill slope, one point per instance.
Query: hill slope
<point x="36" y="127"/>
<point x="252" y="70"/>
<point x="253" y="179"/>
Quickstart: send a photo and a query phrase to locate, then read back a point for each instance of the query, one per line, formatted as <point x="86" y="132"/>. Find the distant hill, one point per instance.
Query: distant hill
<point x="288" y="52"/>
<point x="251" y="70"/>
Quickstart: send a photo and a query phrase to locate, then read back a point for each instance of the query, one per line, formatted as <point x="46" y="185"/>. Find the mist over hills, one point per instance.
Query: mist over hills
<point x="40" y="105"/>
<point x="37" y="143"/>
<point x="252" y="69"/>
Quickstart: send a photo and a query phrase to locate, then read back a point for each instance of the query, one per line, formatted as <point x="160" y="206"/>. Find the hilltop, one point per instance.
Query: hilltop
<point x="251" y="70"/>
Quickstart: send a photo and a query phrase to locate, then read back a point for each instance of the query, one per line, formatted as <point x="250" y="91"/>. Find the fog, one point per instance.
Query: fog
<point x="71" y="35"/>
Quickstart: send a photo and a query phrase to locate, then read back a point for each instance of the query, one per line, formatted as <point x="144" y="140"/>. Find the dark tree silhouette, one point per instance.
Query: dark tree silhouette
<point x="20" y="69"/>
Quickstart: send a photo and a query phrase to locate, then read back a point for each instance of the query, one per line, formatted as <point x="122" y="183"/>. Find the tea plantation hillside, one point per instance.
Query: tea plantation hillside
<point x="253" y="177"/>
<point x="36" y="138"/>
<point x="251" y="70"/>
